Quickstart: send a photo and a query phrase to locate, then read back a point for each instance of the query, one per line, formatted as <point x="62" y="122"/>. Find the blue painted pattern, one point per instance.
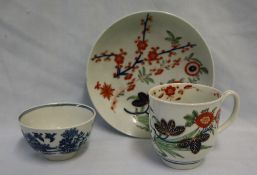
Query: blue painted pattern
<point x="71" y="141"/>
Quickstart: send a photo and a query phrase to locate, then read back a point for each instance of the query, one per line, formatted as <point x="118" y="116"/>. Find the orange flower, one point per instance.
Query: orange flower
<point x="152" y="55"/>
<point x="170" y="90"/>
<point x="141" y="45"/>
<point x="119" y="59"/>
<point x="128" y="76"/>
<point x="98" y="85"/>
<point x="131" y="87"/>
<point x="106" y="91"/>
<point x="204" y="119"/>
<point x="158" y="72"/>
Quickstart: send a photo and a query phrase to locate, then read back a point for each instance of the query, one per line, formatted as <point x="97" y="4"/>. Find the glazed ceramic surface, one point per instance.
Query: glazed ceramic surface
<point x="136" y="53"/>
<point x="184" y="121"/>
<point x="57" y="130"/>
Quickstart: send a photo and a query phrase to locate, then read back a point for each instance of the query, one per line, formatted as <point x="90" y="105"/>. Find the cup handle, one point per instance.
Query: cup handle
<point x="235" y="111"/>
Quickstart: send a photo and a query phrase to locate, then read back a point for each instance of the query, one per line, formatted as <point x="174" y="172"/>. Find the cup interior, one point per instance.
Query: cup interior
<point x="57" y="116"/>
<point x="185" y="93"/>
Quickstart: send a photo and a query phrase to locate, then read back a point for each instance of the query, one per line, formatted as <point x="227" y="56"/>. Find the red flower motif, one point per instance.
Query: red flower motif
<point x="176" y="62"/>
<point x="152" y="55"/>
<point x="204" y="119"/>
<point x="176" y="81"/>
<point x="98" y="85"/>
<point x="128" y="76"/>
<point x="141" y="45"/>
<point x="192" y="68"/>
<point x="107" y="91"/>
<point x="217" y="117"/>
<point x="170" y="90"/>
<point x="131" y="87"/>
<point x="158" y="72"/>
<point x="188" y="86"/>
<point x="119" y="59"/>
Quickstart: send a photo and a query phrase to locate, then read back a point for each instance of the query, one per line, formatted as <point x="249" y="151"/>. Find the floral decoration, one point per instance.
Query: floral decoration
<point x="169" y="129"/>
<point x="149" y="62"/>
<point x="169" y="138"/>
<point x="194" y="68"/>
<point x="195" y="143"/>
<point x="204" y="119"/>
<point x="170" y="90"/>
<point x="106" y="90"/>
<point x="173" y="93"/>
<point x="71" y="140"/>
<point x="141" y="104"/>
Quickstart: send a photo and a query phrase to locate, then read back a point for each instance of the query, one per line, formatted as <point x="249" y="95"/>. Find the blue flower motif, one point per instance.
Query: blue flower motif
<point x="71" y="140"/>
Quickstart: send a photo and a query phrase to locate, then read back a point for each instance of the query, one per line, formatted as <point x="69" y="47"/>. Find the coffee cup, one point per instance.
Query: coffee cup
<point x="184" y="121"/>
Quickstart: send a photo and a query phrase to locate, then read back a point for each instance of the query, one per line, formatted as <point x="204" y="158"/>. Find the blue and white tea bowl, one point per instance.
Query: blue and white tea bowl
<point x="57" y="130"/>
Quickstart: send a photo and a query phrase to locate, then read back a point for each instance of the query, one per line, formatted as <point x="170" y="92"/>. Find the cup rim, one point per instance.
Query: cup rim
<point x="186" y="104"/>
<point x="92" y="117"/>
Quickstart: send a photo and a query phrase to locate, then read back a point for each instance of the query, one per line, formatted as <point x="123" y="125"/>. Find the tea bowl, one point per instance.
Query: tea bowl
<point x="57" y="130"/>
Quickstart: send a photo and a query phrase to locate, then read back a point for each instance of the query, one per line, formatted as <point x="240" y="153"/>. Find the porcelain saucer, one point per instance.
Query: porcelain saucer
<point x="138" y="52"/>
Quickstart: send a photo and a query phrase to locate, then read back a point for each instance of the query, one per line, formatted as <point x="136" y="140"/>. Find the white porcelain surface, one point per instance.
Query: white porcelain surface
<point x="138" y="52"/>
<point x="56" y="117"/>
<point x="57" y="130"/>
<point x="184" y="121"/>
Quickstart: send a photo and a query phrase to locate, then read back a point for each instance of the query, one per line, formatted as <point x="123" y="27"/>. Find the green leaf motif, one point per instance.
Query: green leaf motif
<point x="194" y="59"/>
<point x="171" y="35"/>
<point x="213" y="111"/>
<point x="179" y="38"/>
<point x="204" y="69"/>
<point x="133" y="97"/>
<point x="144" y="121"/>
<point x="192" y="80"/>
<point x="151" y="80"/>
<point x="140" y="73"/>
<point x="189" y="123"/>
<point x="167" y="147"/>
<point x="142" y="109"/>
<point x="187" y="136"/>
<point x="144" y="77"/>
<point x="191" y="55"/>
<point x="168" y="39"/>
<point x="212" y="131"/>
<point x="205" y="110"/>
<point x="171" y="38"/>
<point x="189" y="117"/>
<point x="190" y="120"/>
<point x="195" y="113"/>
<point x="205" y="147"/>
<point x="143" y="69"/>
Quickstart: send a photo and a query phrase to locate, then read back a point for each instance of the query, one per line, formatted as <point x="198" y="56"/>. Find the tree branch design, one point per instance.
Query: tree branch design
<point x="149" y="61"/>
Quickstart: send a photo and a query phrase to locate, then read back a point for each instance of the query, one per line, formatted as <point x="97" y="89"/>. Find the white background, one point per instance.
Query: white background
<point x="44" y="46"/>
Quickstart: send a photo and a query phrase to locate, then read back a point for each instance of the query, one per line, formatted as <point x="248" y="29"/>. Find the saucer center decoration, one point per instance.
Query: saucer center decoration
<point x="149" y="54"/>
